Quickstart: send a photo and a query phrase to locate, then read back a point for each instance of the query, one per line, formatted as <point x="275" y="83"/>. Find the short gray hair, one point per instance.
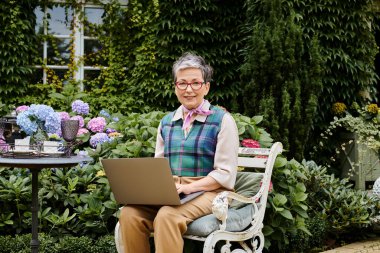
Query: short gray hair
<point x="190" y="60"/>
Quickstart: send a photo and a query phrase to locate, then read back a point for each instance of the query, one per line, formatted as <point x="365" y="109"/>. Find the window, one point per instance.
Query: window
<point x="55" y="26"/>
<point x="66" y="34"/>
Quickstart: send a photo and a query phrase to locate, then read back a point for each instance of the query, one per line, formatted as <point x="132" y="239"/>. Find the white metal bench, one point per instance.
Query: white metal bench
<point x="242" y="219"/>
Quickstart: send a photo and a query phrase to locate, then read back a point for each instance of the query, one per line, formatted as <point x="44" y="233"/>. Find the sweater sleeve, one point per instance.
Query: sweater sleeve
<point x="159" y="151"/>
<point x="226" y="153"/>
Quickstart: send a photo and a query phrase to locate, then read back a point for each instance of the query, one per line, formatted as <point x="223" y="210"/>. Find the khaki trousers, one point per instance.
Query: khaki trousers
<point x="168" y="223"/>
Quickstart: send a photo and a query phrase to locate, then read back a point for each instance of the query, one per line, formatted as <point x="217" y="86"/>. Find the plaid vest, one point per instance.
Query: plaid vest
<point x="194" y="155"/>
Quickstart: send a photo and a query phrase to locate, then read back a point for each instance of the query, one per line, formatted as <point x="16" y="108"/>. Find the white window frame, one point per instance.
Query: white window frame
<point x="79" y="39"/>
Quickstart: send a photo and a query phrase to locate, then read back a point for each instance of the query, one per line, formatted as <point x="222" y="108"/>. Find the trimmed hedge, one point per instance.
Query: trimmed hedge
<point x="65" y="244"/>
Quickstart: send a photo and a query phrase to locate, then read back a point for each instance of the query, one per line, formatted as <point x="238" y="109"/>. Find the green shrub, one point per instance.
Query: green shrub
<point x="21" y="243"/>
<point x="105" y="244"/>
<point x="69" y="244"/>
<point x="347" y="211"/>
<point x="287" y="210"/>
<point x="309" y="205"/>
<point x="313" y="242"/>
<point x="65" y="244"/>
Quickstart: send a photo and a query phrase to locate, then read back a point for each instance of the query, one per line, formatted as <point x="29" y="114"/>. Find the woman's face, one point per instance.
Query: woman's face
<point x="190" y="98"/>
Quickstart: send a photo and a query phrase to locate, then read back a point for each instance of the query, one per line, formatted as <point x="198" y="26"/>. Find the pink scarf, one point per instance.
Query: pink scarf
<point x="198" y="110"/>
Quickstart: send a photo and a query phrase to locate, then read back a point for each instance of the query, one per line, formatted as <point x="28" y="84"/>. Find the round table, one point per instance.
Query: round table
<point x="35" y="165"/>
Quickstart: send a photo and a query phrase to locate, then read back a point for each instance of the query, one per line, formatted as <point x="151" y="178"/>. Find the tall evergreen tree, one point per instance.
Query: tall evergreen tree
<point x="281" y="75"/>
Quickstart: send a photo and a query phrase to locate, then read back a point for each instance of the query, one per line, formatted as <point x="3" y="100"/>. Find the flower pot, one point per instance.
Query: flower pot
<point x="358" y="162"/>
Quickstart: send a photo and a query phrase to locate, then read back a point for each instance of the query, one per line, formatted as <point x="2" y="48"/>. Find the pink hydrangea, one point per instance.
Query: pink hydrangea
<point x="82" y="131"/>
<point x="4" y="147"/>
<point x="22" y="108"/>
<point x="249" y="143"/>
<point x="64" y="115"/>
<point x="97" y="124"/>
<point x="80" y="118"/>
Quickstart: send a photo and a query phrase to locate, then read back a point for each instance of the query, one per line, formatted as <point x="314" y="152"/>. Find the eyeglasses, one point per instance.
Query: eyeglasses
<point x="194" y="85"/>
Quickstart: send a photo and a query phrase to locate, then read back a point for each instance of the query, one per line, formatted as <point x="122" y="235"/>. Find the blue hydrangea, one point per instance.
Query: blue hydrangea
<point x="25" y="122"/>
<point x="53" y="123"/>
<point x="99" y="138"/>
<point x="80" y="107"/>
<point x="39" y="116"/>
<point x="104" y="113"/>
<point x="41" y="111"/>
<point x="115" y="119"/>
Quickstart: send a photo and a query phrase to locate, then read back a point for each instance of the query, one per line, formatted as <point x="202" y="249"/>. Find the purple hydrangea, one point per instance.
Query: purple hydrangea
<point x="97" y="125"/>
<point x="110" y="130"/>
<point x="64" y="115"/>
<point x="80" y="107"/>
<point x="99" y="138"/>
<point x="80" y="119"/>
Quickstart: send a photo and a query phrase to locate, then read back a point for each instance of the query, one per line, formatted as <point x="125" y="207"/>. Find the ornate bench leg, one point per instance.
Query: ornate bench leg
<point x="258" y="243"/>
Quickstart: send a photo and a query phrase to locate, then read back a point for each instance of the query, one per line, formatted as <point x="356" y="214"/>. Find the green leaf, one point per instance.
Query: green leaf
<point x="280" y="162"/>
<point x="300" y="196"/>
<point x="287" y="214"/>
<point x="57" y="95"/>
<point x="267" y="230"/>
<point x="301" y="187"/>
<point x="257" y="119"/>
<point x="279" y="199"/>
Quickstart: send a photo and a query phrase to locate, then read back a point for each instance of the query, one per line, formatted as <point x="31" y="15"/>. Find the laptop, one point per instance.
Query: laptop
<point x="143" y="181"/>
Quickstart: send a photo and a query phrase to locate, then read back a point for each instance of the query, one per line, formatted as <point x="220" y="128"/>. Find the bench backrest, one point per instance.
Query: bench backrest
<point x="260" y="159"/>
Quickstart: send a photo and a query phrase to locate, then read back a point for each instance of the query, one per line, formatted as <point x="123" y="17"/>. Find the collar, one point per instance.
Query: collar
<point x="201" y="118"/>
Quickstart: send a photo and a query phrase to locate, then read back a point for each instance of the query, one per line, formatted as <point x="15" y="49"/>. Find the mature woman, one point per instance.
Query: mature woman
<point x="201" y="142"/>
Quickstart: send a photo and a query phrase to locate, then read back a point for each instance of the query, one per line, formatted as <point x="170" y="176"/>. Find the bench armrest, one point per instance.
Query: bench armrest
<point x="220" y="205"/>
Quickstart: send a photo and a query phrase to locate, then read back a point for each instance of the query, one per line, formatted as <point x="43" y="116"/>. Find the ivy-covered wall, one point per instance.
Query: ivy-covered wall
<point x="209" y="28"/>
<point x="141" y="42"/>
<point x="346" y="34"/>
<point x="17" y="48"/>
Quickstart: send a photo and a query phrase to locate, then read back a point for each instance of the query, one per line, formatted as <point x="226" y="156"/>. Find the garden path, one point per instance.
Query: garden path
<point x="367" y="246"/>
